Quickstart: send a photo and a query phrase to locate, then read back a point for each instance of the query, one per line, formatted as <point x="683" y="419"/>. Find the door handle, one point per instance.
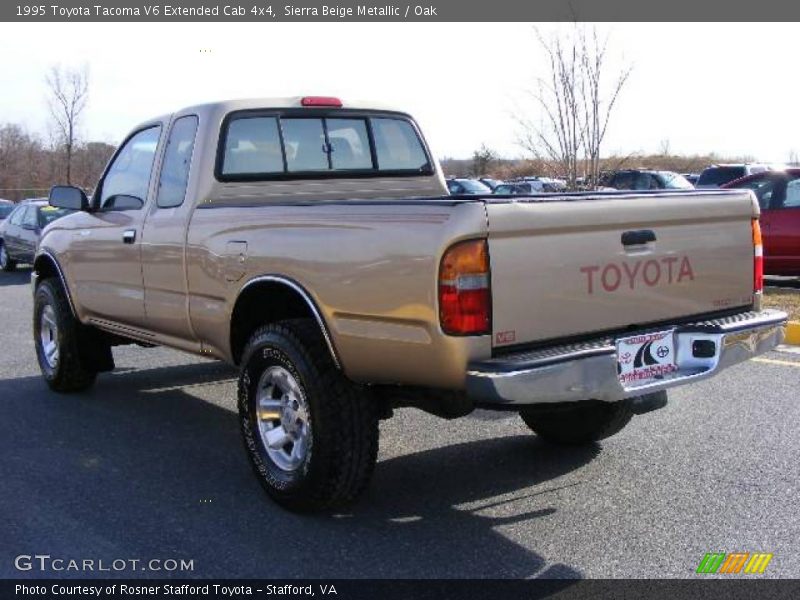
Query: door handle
<point x="638" y="238"/>
<point x="129" y="236"/>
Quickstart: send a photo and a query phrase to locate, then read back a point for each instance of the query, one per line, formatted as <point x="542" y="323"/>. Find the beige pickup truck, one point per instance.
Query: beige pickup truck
<point x="312" y="243"/>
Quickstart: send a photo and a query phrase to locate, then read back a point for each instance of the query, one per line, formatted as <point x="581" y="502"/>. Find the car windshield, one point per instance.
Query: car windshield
<point x="5" y="210"/>
<point x="720" y="175"/>
<point x="474" y="187"/>
<point x="48" y="214"/>
<point x="673" y="181"/>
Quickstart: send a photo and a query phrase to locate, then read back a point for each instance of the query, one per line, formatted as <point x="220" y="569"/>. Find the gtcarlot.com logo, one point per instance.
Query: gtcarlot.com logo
<point x="734" y="563"/>
<point x="48" y="563"/>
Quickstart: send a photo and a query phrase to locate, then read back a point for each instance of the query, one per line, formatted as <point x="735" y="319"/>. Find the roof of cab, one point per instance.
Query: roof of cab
<point x="227" y="106"/>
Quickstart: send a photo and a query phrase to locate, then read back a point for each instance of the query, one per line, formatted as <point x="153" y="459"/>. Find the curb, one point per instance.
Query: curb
<point x="792" y="333"/>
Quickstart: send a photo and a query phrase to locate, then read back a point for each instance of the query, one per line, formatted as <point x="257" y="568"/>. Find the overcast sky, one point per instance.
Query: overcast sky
<point x="703" y="87"/>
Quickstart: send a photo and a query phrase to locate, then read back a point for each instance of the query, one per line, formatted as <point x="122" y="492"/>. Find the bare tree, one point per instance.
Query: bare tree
<point x="574" y="104"/>
<point x="68" y="93"/>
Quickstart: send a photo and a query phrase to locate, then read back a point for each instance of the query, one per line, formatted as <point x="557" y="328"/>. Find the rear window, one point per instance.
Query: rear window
<point x="5" y="210"/>
<point x="720" y="175"/>
<point x="294" y="145"/>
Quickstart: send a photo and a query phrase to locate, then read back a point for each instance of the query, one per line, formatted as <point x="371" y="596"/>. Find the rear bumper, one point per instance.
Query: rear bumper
<point x="589" y="370"/>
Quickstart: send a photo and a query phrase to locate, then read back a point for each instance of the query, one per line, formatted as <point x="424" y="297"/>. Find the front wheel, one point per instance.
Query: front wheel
<point x="63" y="348"/>
<point x="310" y="433"/>
<point x="584" y="423"/>
<point x="7" y="264"/>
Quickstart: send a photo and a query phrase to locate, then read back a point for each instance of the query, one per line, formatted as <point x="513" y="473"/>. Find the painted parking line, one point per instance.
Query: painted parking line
<point x="774" y="361"/>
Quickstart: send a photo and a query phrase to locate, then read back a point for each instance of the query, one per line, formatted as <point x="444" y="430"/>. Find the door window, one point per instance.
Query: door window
<point x="30" y="221"/>
<point x="792" y="199"/>
<point x="19" y="214"/>
<point x="177" y="160"/>
<point x="129" y="174"/>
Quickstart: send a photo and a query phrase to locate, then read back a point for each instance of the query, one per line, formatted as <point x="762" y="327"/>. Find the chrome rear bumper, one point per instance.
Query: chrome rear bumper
<point x="589" y="370"/>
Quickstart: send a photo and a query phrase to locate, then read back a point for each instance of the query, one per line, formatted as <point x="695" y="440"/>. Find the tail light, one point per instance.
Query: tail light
<point x="758" y="258"/>
<point x="464" y="294"/>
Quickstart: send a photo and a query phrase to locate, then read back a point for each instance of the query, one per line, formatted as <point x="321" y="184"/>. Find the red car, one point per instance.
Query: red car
<point x="778" y="193"/>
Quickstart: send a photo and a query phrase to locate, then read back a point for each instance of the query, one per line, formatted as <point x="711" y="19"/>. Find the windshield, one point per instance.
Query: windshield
<point x="673" y="181"/>
<point x="474" y="187"/>
<point x="48" y="214"/>
<point x="720" y="175"/>
<point x="5" y="210"/>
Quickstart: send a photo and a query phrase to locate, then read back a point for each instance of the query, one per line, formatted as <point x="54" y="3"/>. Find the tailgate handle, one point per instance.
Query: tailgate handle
<point x="638" y="238"/>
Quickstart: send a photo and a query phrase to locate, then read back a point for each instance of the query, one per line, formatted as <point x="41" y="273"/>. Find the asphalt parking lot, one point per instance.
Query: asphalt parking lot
<point x="149" y="465"/>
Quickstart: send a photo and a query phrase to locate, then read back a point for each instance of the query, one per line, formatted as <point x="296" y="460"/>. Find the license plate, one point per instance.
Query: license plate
<point x="644" y="358"/>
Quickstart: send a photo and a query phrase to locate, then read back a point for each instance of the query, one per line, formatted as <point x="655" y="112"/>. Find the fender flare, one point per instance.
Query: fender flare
<point x="307" y="298"/>
<point x="44" y="254"/>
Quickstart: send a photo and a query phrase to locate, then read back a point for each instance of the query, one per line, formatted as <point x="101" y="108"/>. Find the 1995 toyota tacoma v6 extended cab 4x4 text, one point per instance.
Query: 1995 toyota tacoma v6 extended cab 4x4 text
<point x="311" y="242"/>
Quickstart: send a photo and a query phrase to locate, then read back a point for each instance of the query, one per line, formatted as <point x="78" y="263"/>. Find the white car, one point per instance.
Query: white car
<point x="718" y="175"/>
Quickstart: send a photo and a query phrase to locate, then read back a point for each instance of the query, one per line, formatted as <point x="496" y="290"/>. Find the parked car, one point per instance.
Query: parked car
<point x="518" y="188"/>
<point x="646" y="179"/>
<point x="718" y="175"/>
<point x="489" y="182"/>
<point x="20" y="232"/>
<point x="6" y="206"/>
<point x="462" y="185"/>
<point x="340" y="295"/>
<point x="691" y="177"/>
<point x="778" y="194"/>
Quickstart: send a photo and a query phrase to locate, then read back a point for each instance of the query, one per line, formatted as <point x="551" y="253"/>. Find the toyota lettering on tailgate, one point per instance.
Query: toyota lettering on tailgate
<point x="632" y="274"/>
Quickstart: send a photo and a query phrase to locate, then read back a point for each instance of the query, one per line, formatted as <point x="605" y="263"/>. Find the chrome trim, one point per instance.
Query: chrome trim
<point x="579" y="375"/>
<point x="35" y="278"/>
<point x="309" y="301"/>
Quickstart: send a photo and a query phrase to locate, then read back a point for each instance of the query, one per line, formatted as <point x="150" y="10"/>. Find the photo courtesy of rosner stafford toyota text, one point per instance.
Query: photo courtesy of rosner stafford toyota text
<point x="465" y="300"/>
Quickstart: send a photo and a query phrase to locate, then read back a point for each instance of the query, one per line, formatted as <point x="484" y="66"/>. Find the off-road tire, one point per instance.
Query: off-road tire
<point x="74" y="371"/>
<point x="343" y="418"/>
<point x="7" y="264"/>
<point x="584" y="423"/>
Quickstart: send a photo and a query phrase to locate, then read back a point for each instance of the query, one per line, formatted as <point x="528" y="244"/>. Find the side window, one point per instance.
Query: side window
<point x="253" y="145"/>
<point x="349" y="144"/>
<point x="792" y="194"/>
<point x="16" y="218"/>
<point x="31" y="219"/>
<point x="398" y="146"/>
<point x="129" y="174"/>
<point x="177" y="160"/>
<point x="762" y="188"/>
<point x="622" y="181"/>
<point x="305" y="145"/>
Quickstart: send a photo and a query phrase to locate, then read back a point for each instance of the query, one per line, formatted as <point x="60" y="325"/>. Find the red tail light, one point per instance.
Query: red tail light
<point x="758" y="258"/>
<point x="464" y="293"/>
<point x="321" y="101"/>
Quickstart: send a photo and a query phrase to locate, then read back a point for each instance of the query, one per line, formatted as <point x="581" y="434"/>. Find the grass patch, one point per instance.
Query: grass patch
<point x="788" y="300"/>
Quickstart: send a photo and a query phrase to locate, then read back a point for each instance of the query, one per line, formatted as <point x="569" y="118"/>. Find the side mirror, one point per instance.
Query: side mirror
<point x="123" y="202"/>
<point x="67" y="196"/>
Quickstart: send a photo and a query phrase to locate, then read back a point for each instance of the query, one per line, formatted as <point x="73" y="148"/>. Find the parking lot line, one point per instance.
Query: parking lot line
<point x="773" y="361"/>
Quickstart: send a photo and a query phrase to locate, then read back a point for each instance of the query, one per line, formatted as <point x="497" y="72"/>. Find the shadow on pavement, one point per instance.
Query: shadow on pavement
<point x="141" y="468"/>
<point x="22" y="276"/>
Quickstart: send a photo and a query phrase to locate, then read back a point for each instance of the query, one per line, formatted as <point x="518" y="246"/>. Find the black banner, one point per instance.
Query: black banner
<point x="404" y="589"/>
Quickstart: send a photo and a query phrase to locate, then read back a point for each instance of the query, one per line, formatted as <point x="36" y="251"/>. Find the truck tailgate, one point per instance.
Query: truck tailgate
<point x="559" y="267"/>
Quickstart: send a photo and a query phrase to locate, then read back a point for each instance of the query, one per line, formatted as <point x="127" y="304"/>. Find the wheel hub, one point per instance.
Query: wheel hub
<point x="48" y="336"/>
<point x="283" y="423"/>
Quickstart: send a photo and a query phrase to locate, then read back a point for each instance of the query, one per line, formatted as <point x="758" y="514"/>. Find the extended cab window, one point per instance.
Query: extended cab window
<point x="129" y="174"/>
<point x="253" y="145"/>
<point x="397" y="145"/>
<point x="265" y="146"/>
<point x="177" y="160"/>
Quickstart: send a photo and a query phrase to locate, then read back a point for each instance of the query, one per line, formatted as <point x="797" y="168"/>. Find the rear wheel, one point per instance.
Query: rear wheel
<point x="310" y="433"/>
<point x="583" y="423"/>
<point x="7" y="264"/>
<point x="63" y="345"/>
